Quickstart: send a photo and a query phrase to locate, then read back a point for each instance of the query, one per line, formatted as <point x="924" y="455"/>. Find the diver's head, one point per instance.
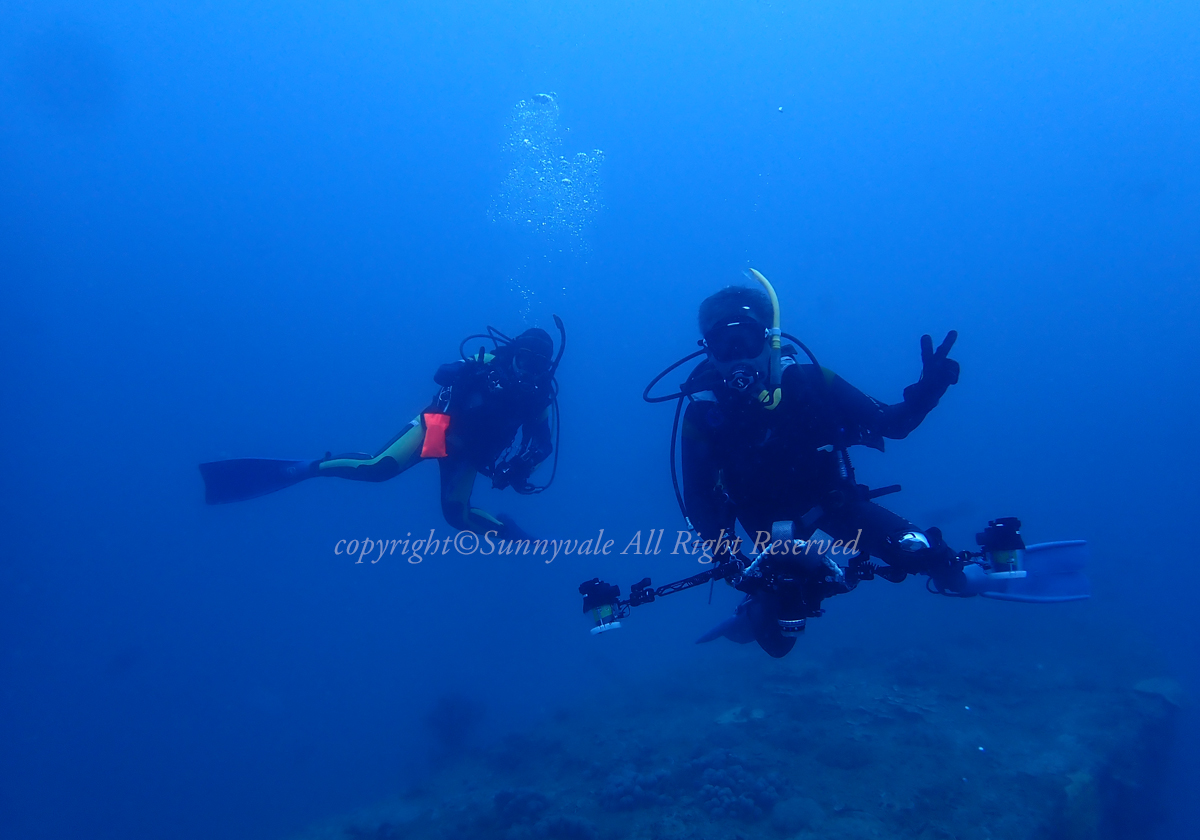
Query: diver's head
<point x="735" y="323"/>
<point x="532" y="355"/>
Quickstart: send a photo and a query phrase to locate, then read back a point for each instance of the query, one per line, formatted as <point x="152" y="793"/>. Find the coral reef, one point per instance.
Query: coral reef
<point x="727" y="789"/>
<point x="972" y="744"/>
<point x="628" y="790"/>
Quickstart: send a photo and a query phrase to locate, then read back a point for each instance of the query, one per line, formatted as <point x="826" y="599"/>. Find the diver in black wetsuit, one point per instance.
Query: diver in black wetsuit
<point x="764" y="440"/>
<point x="484" y="401"/>
<point x="766" y="444"/>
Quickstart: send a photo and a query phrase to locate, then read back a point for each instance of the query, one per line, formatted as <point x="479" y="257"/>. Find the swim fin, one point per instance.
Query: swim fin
<point x="752" y="622"/>
<point x="1054" y="572"/>
<point x="735" y="628"/>
<point x="246" y="478"/>
<point x="511" y="530"/>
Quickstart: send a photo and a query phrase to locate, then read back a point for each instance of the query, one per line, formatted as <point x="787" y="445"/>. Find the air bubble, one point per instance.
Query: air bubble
<point x="545" y="190"/>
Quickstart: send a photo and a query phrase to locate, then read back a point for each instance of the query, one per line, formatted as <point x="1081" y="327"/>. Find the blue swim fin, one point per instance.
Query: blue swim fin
<point x="246" y="478"/>
<point x="1054" y="572"/>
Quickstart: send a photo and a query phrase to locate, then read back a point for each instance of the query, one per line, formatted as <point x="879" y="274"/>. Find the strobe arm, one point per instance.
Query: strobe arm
<point x="598" y="595"/>
<point x="642" y="592"/>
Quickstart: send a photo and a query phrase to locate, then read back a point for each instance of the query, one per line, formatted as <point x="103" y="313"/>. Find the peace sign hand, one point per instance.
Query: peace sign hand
<point x="937" y="368"/>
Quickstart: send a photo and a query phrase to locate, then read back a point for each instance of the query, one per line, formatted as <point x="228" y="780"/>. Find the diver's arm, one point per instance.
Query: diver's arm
<point x="452" y="373"/>
<point x="536" y="446"/>
<point x="871" y="419"/>
<point x="878" y="420"/>
<point x="536" y="438"/>
<point x="938" y="373"/>
<point x="707" y="507"/>
<point x="449" y="373"/>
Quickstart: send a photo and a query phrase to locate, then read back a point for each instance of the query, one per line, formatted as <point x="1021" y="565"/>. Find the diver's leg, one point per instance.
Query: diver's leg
<point x="402" y="452"/>
<point x="458" y="480"/>
<point x="871" y="525"/>
<point x="891" y="538"/>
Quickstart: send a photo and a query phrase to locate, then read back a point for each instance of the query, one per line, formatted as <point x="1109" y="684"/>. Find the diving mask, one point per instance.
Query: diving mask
<point x="736" y="340"/>
<point x="527" y="363"/>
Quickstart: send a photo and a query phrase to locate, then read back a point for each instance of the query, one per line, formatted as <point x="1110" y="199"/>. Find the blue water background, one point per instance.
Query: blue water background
<point x="255" y="230"/>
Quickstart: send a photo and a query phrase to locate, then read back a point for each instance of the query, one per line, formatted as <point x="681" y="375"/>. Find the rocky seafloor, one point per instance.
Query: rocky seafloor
<point x="971" y="742"/>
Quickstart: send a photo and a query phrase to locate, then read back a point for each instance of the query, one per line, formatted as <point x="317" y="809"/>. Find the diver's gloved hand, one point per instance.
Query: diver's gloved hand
<point x="514" y="473"/>
<point x="938" y="371"/>
<point x="943" y="564"/>
<point x="921" y="552"/>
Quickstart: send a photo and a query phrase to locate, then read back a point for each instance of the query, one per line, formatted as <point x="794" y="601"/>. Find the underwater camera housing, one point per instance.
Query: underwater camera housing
<point x="794" y="580"/>
<point x="514" y="472"/>
<point x="784" y="573"/>
<point x="1003" y="549"/>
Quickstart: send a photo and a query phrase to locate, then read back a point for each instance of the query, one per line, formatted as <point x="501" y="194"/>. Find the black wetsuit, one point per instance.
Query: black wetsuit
<point x="487" y="409"/>
<point x="487" y="405"/>
<point x="742" y="461"/>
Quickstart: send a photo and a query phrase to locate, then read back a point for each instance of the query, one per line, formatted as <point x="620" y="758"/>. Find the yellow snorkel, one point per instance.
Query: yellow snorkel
<point x="770" y="396"/>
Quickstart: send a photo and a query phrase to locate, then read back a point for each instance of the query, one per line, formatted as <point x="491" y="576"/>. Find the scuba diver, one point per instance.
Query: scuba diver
<point x="765" y="443"/>
<point x="484" y="400"/>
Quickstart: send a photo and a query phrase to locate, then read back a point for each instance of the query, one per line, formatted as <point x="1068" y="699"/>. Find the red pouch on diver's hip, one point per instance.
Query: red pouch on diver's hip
<point x="434" y="445"/>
